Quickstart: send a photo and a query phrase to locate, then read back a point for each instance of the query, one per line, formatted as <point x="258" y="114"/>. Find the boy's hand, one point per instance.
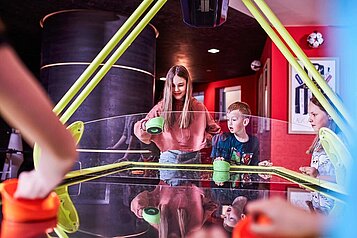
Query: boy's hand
<point x="219" y="158"/>
<point x="265" y="176"/>
<point x="265" y="163"/>
<point x="39" y="183"/>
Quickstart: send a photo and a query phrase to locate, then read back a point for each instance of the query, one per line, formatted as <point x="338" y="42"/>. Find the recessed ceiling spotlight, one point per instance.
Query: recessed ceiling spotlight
<point x="208" y="70"/>
<point x="213" y="51"/>
<point x="163" y="78"/>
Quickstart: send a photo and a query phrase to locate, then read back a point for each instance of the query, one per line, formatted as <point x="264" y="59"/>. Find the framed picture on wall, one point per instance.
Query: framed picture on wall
<point x="299" y="94"/>
<point x="299" y="197"/>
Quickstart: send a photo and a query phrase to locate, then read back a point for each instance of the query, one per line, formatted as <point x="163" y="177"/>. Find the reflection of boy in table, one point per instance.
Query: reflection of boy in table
<point x="234" y="213"/>
<point x="232" y="203"/>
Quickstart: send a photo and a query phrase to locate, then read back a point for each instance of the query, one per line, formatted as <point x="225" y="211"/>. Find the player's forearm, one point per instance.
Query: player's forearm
<point x="26" y="106"/>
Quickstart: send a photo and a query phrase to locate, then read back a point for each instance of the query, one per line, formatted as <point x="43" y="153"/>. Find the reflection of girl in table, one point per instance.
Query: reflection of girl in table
<point x="187" y="124"/>
<point x="183" y="210"/>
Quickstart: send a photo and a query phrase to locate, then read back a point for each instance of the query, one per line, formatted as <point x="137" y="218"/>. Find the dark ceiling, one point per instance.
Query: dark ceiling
<point x="240" y="39"/>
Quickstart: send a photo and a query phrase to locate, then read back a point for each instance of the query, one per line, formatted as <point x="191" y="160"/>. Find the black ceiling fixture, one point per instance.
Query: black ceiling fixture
<point x="240" y="39"/>
<point x="204" y="13"/>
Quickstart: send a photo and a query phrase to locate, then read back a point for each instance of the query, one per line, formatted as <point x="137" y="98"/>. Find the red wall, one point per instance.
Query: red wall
<point x="248" y="86"/>
<point x="249" y="91"/>
<point x="280" y="65"/>
<point x="288" y="150"/>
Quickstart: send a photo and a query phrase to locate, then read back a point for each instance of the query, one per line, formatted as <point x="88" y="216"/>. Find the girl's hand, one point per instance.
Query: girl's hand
<point x="311" y="171"/>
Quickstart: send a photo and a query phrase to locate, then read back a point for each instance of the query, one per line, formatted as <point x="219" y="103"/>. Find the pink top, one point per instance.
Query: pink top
<point x="193" y="138"/>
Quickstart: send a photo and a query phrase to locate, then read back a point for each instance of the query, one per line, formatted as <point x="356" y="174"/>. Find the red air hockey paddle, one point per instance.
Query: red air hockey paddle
<point x="27" y="210"/>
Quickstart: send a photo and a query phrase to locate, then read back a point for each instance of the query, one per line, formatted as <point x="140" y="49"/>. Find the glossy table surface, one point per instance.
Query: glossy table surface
<point x="106" y="193"/>
<point x="108" y="201"/>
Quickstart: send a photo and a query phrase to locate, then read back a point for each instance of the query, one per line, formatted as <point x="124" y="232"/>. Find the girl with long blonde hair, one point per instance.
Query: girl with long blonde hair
<point x="188" y="126"/>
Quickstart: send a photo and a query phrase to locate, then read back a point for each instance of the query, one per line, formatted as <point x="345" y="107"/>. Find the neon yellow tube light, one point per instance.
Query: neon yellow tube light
<point x="288" y="55"/>
<point x="302" y="57"/>
<point x="296" y="177"/>
<point x="87" y="73"/>
<point x="121" y="49"/>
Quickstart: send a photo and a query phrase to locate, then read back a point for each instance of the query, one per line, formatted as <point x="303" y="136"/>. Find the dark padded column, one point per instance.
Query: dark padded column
<point x="70" y="41"/>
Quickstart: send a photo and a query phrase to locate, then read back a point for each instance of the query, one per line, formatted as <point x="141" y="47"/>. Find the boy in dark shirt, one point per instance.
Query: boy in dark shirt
<point x="237" y="147"/>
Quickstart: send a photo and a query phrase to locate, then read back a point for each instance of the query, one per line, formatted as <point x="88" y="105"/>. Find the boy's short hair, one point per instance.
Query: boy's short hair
<point x="241" y="106"/>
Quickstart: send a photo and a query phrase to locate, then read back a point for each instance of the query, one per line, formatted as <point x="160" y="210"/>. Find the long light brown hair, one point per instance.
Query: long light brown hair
<point x="332" y="125"/>
<point x="186" y="115"/>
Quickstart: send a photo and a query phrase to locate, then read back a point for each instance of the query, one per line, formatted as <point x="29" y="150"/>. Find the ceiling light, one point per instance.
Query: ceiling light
<point x="213" y="51"/>
<point x="163" y="78"/>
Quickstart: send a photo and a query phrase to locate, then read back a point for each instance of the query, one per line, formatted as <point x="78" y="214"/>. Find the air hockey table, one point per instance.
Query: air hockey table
<point x="146" y="199"/>
<point x="125" y="191"/>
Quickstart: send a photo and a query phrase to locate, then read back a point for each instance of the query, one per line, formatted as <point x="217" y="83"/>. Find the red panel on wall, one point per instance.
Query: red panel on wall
<point x="248" y="86"/>
<point x="287" y="149"/>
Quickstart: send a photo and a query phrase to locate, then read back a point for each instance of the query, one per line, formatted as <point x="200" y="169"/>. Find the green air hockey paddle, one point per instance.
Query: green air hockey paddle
<point x="221" y="165"/>
<point x="155" y="125"/>
<point x="220" y="176"/>
<point x="151" y="215"/>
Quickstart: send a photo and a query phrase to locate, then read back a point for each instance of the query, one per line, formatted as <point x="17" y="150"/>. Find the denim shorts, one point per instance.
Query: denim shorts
<point x="180" y="157"/>
<point x="178" y="177"/>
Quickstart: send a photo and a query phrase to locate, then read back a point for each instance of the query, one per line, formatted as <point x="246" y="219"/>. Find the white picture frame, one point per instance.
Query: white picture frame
<point x="299" y="94"/>
<point x="299" y="197"/>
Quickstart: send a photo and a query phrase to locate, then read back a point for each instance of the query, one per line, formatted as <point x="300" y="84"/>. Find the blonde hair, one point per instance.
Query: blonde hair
<point x="242" y="107"/>
<point x="164" y="224"/>
<point x="186" y="115"/>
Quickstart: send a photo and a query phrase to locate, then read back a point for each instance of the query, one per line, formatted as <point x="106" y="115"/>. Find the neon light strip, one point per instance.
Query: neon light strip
<point x="84" y="63"/>
<point x="114" y="151"/>
<point x="298" y="178"/>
